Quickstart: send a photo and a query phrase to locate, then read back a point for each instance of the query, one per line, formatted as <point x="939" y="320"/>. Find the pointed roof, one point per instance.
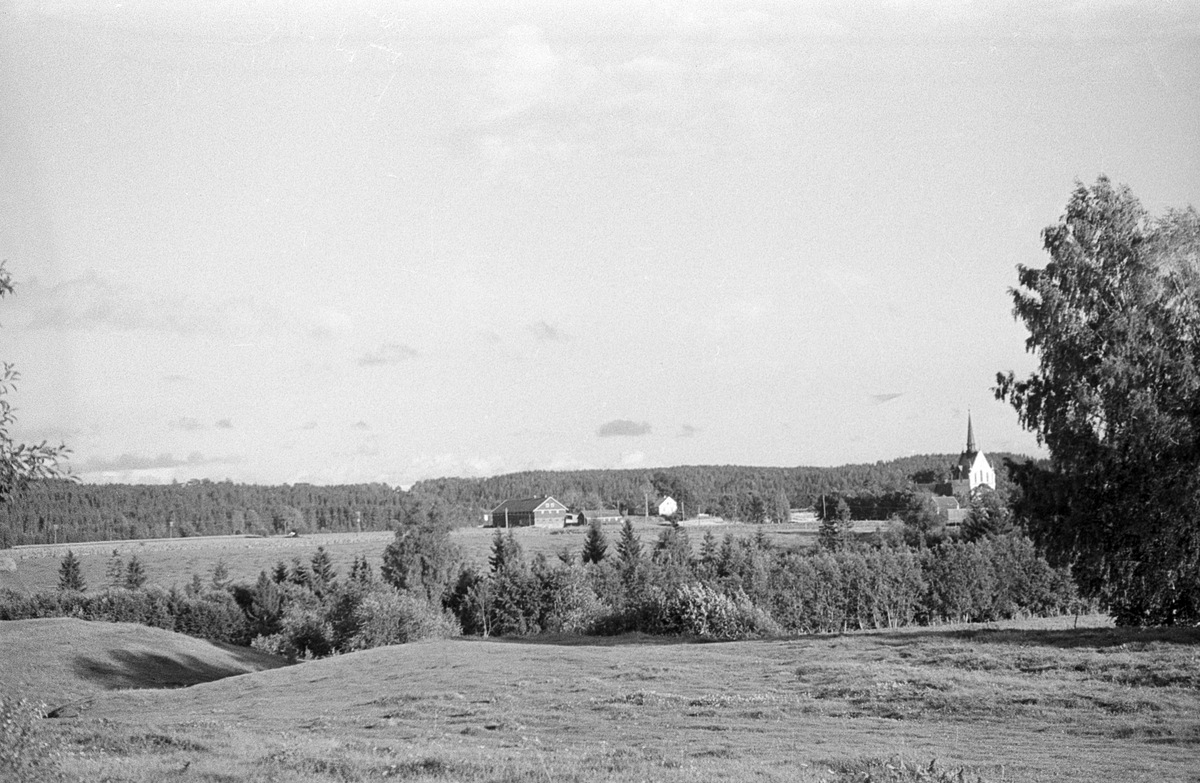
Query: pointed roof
<point x="524" y="505"/>
<point x="970" y="435"/>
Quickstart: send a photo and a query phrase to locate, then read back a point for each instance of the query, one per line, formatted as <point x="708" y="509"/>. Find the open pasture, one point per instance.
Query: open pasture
<point x="1031" y="701"/>
<point x="173" y="561"/>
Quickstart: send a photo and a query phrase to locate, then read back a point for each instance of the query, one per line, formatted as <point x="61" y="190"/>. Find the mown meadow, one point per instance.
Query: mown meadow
<point x="1035" y="700"/>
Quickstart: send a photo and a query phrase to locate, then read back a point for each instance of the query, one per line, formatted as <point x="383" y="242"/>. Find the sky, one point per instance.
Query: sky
<point x="355" y="241"/>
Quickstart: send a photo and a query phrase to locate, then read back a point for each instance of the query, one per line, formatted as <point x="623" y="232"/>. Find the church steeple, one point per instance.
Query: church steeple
<point x="970" y="435"/>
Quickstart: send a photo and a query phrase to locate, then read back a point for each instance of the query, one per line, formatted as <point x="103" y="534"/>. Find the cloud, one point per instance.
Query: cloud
<point x="91" y="302"/>
<point x="523" y="70"/>
<point x="186" y="423"/>
<point x="880" y="399"/>
<point x="544" y="331"/>
<point x="361" y="425"/>
<point x="388" y="353"/>
<point x="224" y="424"/>
<point x="632" y="458"/>
<point x="130" y="462"/>
<point x="330" y="323"/>
<point x="176" y="378"/>
<point x="686" y="431"/>
<point x="623" y="428"/>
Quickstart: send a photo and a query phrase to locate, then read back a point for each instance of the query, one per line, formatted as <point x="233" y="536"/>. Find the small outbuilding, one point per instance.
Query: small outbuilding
<point x="667" y="507"/>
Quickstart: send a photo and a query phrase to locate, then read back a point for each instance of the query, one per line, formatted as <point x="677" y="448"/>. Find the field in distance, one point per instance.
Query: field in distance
<point x="170" y="562"/>
<point x="1031" y="701"/>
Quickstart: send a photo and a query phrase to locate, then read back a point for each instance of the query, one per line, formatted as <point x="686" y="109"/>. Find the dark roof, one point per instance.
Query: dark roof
<point x="945" y="502"/>
<point x="521" y="505"/>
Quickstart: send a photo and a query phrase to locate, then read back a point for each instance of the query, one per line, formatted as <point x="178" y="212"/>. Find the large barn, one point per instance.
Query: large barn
<point x="542" y="511"/>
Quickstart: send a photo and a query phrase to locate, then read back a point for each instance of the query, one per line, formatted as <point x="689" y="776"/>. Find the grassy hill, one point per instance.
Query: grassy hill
<point x="65" y="661"/>
<point x="1037" y="701"/>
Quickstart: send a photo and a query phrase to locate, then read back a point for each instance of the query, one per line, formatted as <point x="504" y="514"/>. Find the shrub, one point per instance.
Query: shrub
<point x="385" y="616"/>
<point x="214" y="616"/>
<point x="118" y="605"/>
<point x="702" y="611"/>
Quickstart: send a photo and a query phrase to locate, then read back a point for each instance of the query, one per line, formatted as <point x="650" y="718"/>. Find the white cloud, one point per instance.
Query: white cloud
<point x="523" y="70"/>
<point x="388" y="353"/>
<point x="186" y="423"/>
<point x="623" y="428"/>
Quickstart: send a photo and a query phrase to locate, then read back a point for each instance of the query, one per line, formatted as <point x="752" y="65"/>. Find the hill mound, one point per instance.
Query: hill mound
<point x="63" y="660"/>
<point x="1013" y="704"/>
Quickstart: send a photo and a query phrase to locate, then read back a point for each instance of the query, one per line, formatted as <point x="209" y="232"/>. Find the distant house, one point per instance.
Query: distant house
<point x="948" y="510"/>
<point x="667" y="507"/>
<point x="600" y="515"/>
<point x="542" y="511"/>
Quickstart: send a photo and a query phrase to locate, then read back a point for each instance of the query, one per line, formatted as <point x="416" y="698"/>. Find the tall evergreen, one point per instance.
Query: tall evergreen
<point x="595" y="545"/>
<point x="70" y="574"/>
<point x="323" y="573"/>
<point x="629" y="546"/>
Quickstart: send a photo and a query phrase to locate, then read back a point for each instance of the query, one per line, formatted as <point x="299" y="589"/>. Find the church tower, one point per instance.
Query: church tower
<point x="973" y="467"/>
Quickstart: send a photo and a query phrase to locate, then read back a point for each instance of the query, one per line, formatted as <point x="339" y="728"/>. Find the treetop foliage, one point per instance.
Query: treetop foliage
<point x="20" y="463"/>
<point x="1114" y="320"/>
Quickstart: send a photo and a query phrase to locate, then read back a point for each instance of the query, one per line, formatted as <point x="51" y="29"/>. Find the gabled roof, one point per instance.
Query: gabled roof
<point x="945" y="502"/>
<point x="520" y="505"/>
<point x="601" y="512"/>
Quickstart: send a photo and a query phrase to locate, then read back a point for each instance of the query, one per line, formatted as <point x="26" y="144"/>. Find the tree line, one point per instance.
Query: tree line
<point x="57" y="510"/>
<point x="728" y="588"/>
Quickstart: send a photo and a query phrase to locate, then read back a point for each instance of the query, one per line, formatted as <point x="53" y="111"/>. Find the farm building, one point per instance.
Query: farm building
<point x="667" y="506"/>
<point x="542" y="511"/>
<point x="949" y="511"/>
<point x="601" y="515"/>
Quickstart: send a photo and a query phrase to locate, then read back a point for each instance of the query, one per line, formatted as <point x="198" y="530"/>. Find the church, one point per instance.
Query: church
<point x="972" y="470"/>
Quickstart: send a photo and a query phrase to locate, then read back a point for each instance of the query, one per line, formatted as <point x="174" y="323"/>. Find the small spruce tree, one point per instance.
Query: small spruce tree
<point x="323" y="574"/>
<point x="595" y="545"/>
<point x="70" y="574"/>
<point x="360" y="572"/>
<point x="629" y="546"/>
<point x="135" y="574"/>
<point x="114" y="573"/>
<point x="220" y="575"/>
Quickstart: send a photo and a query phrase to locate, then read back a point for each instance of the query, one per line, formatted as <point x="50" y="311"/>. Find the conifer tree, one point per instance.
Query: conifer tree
<point x="595" y="545"/>
<point x="266" y="605"/>
<point x="629" y="546"/>
<point x="114" y="573"/>
<point x="506" y="553"/>
<point x="195" y="588"/>
<point x="135" y="574"/>
<point x="323" y="573"/>
<point x="360" y="572"/>
<point x="70" y="574"/>
<point x="708" y="549"/>
<point x="220" y="575"/>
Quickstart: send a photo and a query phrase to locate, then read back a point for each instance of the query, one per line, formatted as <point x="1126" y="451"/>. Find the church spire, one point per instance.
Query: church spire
<point x="970" y="435"/>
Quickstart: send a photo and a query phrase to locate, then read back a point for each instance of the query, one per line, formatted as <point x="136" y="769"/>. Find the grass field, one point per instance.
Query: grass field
<point x="173" y="561"/>
<point x="1031" y="701"/>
